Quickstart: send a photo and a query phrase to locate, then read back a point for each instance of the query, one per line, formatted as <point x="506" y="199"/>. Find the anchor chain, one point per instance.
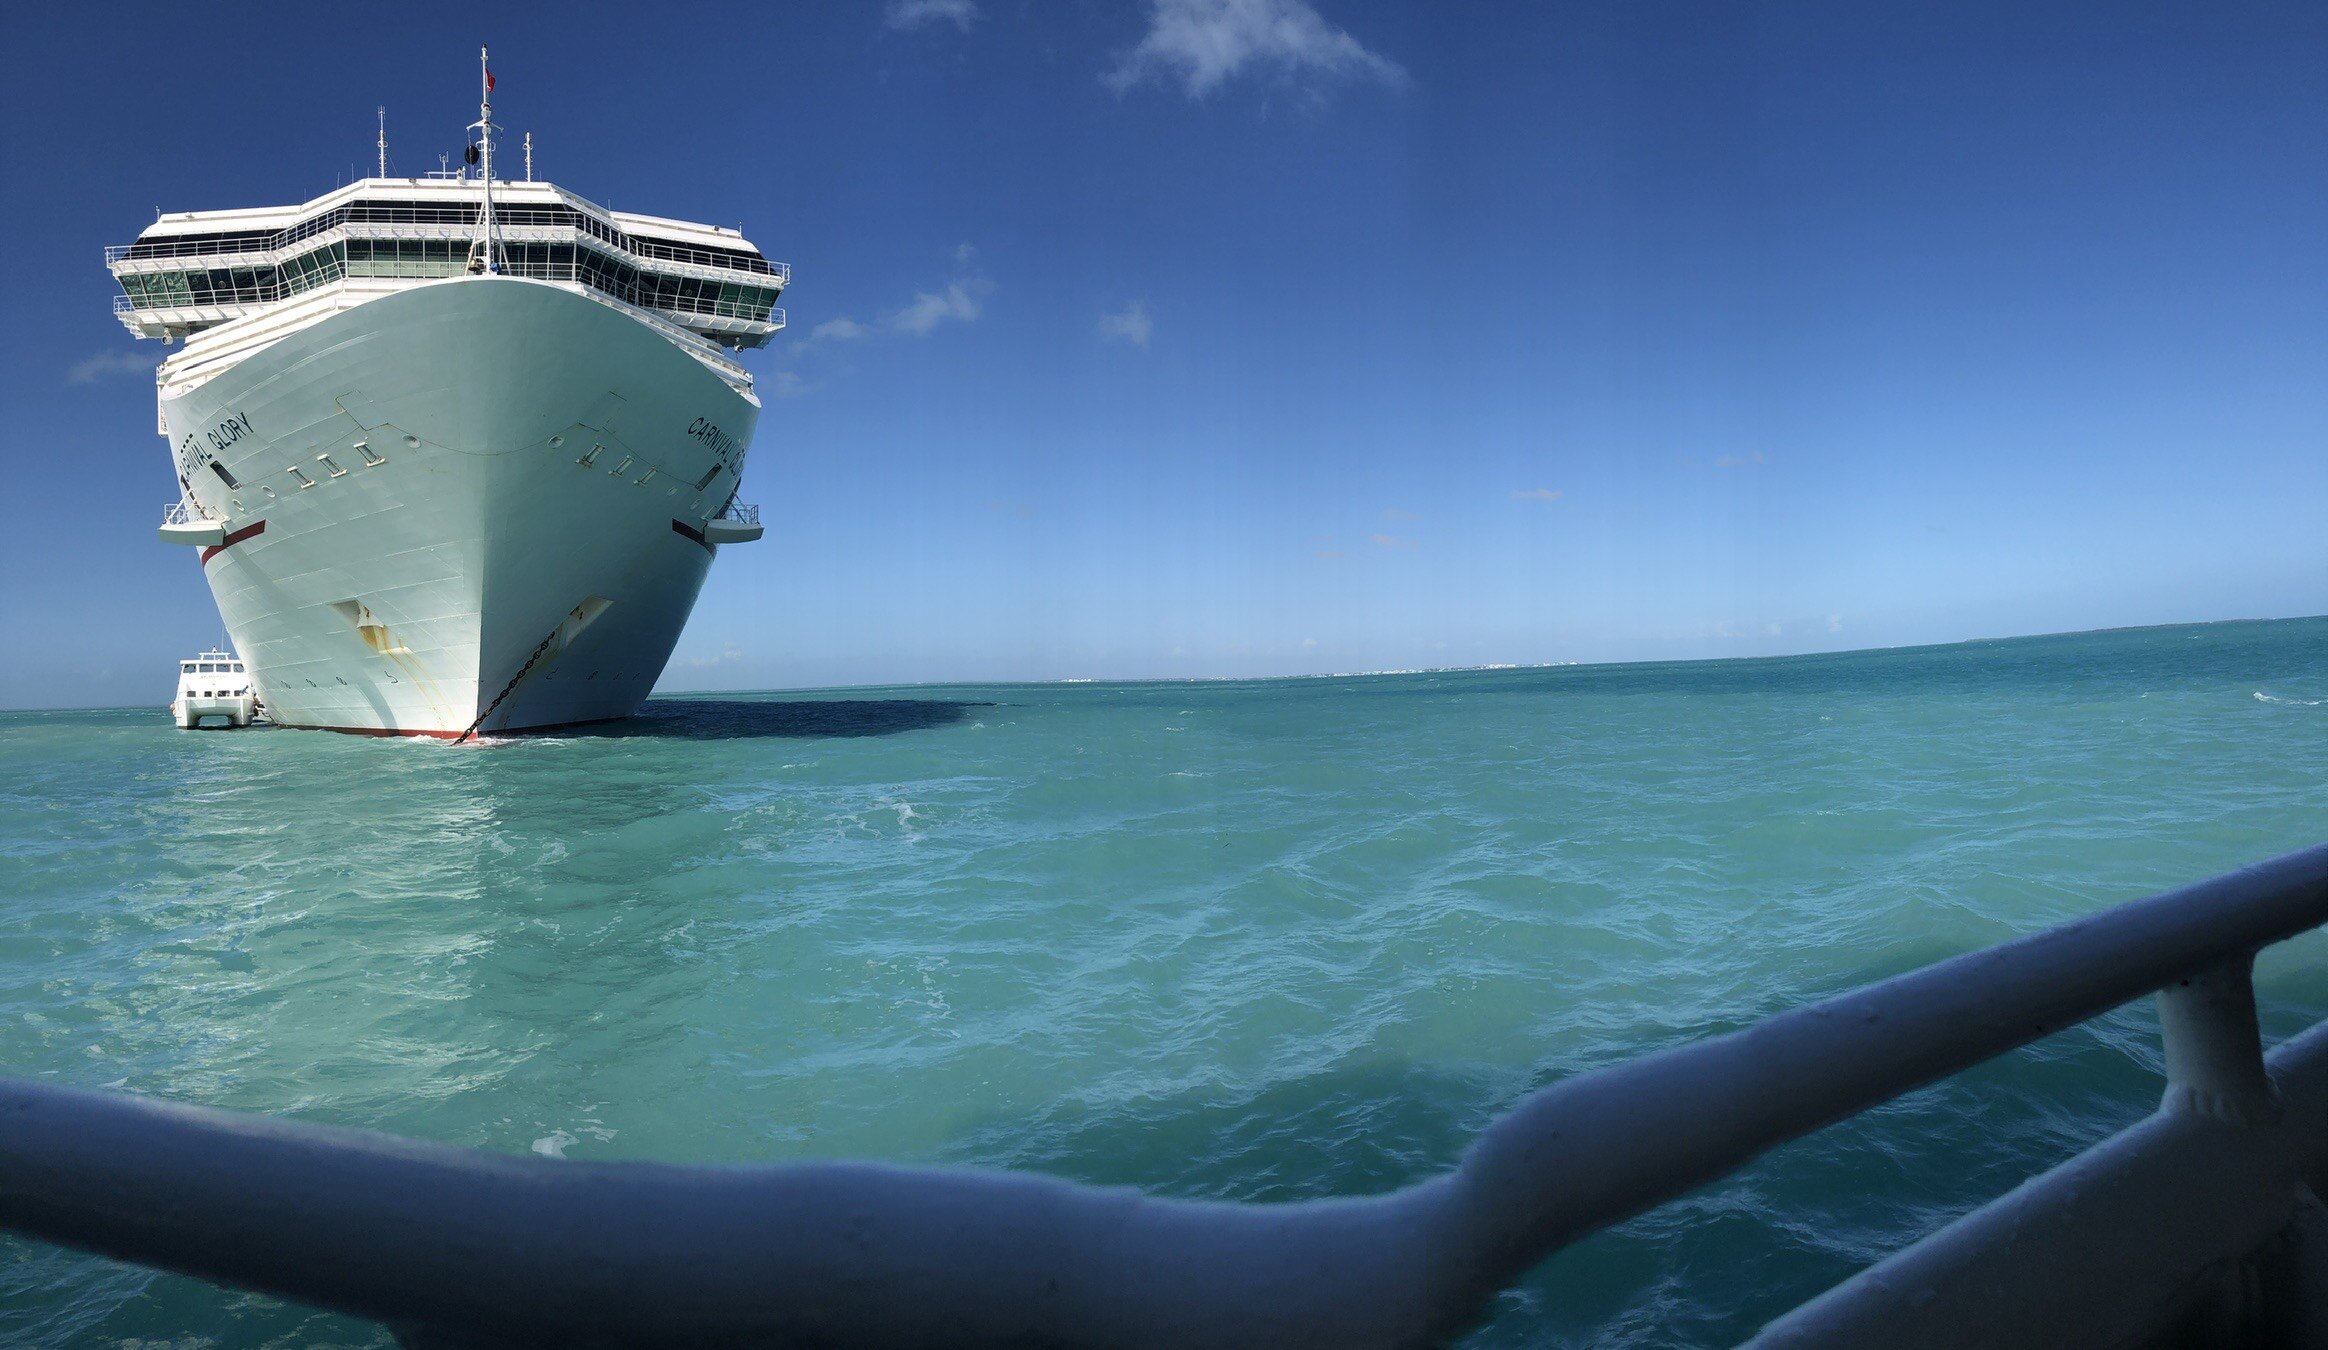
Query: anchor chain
<point x="505" y="689"/>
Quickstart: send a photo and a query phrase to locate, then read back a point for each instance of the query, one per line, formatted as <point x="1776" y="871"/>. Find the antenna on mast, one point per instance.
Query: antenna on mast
<point x="383" y="140"/>
<point x="529" y="157"/>
<point x="485" y="254"/>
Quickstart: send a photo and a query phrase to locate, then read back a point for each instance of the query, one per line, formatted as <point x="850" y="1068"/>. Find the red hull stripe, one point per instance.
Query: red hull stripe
<point x="682" y="527"/>
<point x="256" y="527"/>
<point x="445" y="735"/>
<point x="383" y="731"/>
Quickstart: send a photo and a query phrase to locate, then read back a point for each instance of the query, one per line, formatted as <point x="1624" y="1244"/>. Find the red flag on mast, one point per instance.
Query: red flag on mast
<point x="489" y="81"/>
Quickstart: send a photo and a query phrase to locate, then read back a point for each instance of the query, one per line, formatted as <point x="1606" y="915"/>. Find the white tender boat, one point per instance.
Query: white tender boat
<point x="213" y="684"/>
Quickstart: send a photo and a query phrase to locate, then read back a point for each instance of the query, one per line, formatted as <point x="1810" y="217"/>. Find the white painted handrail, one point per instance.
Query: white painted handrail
<point x="444" y="1243"/>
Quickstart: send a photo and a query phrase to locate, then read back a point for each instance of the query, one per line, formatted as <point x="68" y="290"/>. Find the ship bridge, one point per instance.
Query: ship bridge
<point x="194" y="270"/>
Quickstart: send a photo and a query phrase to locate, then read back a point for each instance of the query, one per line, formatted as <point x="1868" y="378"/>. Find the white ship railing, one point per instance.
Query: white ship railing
<point x="2200" y="1222"/>
<point x="744" y="513"/>
<point x="166" y="255"/>
<point x="185" y="513"/>
<point x="217" y="304"/>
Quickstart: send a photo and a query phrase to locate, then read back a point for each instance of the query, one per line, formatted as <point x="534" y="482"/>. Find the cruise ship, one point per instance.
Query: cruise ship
<point x="455" y="452"/>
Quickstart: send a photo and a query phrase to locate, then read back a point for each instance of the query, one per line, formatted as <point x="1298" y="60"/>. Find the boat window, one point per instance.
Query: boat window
<point x="220" y="470"/>
<point x="186" y="666"/>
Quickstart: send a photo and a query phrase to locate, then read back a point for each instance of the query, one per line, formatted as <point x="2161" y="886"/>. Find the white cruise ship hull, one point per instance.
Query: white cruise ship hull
<point x="475" y="503"/>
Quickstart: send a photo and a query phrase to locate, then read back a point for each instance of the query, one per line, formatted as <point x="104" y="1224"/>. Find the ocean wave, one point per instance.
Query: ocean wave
<point x="1309" y="948"/>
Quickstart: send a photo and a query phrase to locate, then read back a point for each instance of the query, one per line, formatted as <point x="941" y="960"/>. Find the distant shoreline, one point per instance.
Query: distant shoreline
<point x="1493" y="666"/>
<point x="1489" y="666"/>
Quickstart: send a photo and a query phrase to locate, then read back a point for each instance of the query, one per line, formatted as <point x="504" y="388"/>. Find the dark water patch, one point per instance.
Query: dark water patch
<point x="707" y="719"/>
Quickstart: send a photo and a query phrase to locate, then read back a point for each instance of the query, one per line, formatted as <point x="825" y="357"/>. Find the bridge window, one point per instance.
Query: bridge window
<point x="407" y="257"/>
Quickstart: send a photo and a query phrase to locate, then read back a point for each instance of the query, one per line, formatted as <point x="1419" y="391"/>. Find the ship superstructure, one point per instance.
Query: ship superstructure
<point x="456" y="452"/>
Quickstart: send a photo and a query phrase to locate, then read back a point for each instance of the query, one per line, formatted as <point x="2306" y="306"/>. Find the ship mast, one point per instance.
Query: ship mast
<point x="383" y="141"/>
<point x="488" y="231"/>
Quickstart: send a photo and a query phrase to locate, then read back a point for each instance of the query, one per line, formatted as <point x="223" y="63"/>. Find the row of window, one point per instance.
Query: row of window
<point x="420" y="258"/>
<point x="447" y="213"/>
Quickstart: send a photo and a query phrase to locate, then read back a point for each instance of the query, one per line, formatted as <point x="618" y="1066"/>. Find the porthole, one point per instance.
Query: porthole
<point x="412" y="442"/>
<point x="556" y="441"/>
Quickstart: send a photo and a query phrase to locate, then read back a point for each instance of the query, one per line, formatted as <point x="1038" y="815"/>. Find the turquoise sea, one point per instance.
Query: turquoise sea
<point x="1264" y="940"/>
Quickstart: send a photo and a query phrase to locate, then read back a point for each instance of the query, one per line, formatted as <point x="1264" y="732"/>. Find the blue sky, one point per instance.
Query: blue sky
<point x="1218" y="337"/>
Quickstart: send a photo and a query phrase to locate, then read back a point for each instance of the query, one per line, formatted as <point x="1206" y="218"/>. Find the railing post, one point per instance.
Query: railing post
<point x="2214" y="1050"/>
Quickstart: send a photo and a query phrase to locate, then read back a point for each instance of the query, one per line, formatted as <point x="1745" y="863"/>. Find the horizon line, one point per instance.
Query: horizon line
<point x="1371" y="674"/>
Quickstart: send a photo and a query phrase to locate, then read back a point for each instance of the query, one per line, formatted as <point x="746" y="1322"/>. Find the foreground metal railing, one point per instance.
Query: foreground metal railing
<point x="2199" y="1222"/>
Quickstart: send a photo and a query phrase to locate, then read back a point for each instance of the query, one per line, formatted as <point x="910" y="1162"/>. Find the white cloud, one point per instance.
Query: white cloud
<point x="1203" y="43"/>
<point x="910" y="14"/>
<point x="843" y="329"/>
<point x="106" y="365"/>
<point x="1834" y="623"/>
<point x="1131" y="325"/>
<point x="1386" y="541"/>
<point x="1535" y="495"/>
<point x="965" y="254"/>
<point x="1309" y="642"/>
<point x="788" y="384"/>
<point x="959" y="302"/>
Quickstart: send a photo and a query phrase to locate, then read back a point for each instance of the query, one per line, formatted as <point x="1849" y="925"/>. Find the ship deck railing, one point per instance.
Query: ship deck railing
<point x="269" y="292"/>
<point x="2201" y="1224"/>
<point x="215" y="306"/>
<point x="746" y="513"/>
<point x="677" y="259"/>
